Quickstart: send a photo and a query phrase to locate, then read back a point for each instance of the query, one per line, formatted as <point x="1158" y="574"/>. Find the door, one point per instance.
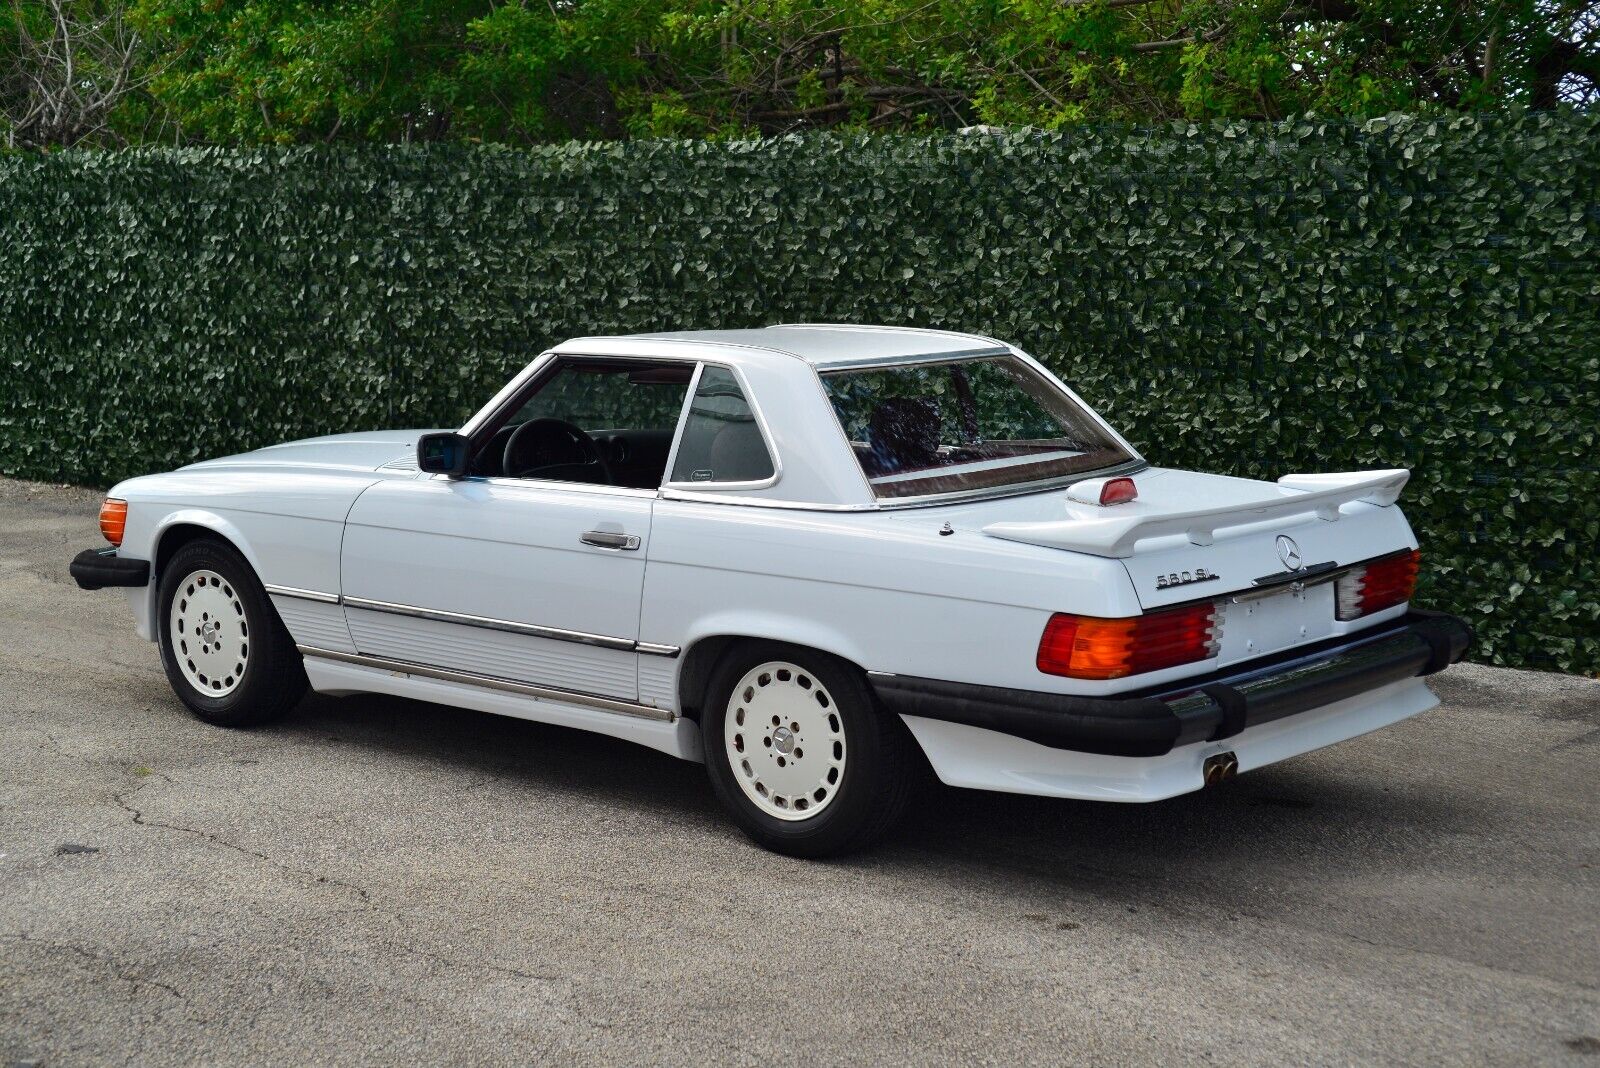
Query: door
<point x="531" y="569"/>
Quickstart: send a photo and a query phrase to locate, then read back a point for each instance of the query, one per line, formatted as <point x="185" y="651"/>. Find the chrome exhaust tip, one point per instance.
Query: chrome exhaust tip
<point x="1220" y="768"/>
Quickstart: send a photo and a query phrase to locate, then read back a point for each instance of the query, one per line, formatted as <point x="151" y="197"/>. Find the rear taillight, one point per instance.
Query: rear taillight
<point x="1086" y="647"/>
<point x="1381" y="584"/>
<point x="113" y="520"/>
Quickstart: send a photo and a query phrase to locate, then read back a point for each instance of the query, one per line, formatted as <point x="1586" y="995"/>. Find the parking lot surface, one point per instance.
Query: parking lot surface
<point x="378" y="881"/>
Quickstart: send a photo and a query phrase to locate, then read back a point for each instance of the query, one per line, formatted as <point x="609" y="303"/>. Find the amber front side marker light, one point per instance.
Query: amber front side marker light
<point x="113" y="520"/>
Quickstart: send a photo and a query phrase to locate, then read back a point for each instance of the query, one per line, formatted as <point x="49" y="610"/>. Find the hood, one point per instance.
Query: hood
<point x="365" y="451"/>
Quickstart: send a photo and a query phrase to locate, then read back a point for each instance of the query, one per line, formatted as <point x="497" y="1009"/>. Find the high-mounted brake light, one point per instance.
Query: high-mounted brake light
<point x="1118" y="491"/>
<point x="113" y="520"/>
<point x="1378" y="585"/>
<point x="1087" y="647"/>
<point x="1103" y="491"/>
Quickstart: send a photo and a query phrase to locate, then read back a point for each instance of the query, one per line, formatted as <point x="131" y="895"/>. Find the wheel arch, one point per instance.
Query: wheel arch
<point x="182" y="527"/>
<point x="702" y="654"/>
<point x="173" y="533"/>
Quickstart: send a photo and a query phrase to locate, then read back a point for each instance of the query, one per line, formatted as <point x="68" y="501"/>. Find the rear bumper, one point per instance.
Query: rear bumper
<point x="1206" y="709"/>
<point x="96" y="569"/>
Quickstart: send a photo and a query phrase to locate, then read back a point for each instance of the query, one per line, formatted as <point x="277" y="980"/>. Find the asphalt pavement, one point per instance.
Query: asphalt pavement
<point x="377" y="881"/>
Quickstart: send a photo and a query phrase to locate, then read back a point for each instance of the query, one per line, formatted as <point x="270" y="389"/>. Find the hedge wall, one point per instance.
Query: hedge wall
<point x="1259" y="299"/>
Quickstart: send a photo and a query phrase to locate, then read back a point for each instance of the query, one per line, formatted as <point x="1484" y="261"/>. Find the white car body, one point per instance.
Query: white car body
<point x="479" y="592"/>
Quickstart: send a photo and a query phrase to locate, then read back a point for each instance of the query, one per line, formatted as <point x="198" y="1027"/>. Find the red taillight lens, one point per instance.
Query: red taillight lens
<point x="1118" y="491"/>
<point x="1381" y="584"/>
<point x="1084" y="647"/>
<point x="113" y="520"/>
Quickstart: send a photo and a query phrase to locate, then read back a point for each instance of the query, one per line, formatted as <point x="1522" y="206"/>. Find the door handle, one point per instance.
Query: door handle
<point x="605" y="539"/>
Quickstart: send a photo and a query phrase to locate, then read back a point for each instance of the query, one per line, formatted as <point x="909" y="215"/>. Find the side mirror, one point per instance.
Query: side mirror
<point x="444" y="453"/>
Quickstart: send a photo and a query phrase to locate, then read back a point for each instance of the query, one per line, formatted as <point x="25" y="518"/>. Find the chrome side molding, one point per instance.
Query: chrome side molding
<point x="439" y="615"/>
<point x="304" y="595"/>
<point x="493" y="682"/>
<point x="486" y="623"/>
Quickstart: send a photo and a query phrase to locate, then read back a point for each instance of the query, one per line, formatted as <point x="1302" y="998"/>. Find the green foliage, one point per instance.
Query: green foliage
<point x="277" y="72"/>
<point x="1253" y="299"/>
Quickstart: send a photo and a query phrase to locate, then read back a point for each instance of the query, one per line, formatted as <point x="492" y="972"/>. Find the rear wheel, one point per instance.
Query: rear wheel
<point x="799" y="753"/>
<point x="225" y="651"/>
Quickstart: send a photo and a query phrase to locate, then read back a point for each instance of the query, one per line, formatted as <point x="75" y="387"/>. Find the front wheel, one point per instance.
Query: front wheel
<point x="799" y="753"/>
<point x="226" y="652"/>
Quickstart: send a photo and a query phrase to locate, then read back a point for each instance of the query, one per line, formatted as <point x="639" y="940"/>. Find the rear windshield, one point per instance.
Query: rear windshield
<point x="968" y="424"/>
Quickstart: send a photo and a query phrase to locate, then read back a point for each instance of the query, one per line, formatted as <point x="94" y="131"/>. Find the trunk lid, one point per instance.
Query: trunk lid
<point x="1193" y="537"/>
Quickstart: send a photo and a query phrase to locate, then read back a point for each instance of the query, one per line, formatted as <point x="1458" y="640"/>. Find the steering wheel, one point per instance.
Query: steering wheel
<point x="554" y="449"/>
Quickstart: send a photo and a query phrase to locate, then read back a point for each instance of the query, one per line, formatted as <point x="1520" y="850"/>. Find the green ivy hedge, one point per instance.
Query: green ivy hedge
<point x="1254" y="299"/>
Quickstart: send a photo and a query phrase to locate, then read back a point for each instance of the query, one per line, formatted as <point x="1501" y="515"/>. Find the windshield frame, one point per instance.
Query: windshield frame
<point x="1133" y="463"/>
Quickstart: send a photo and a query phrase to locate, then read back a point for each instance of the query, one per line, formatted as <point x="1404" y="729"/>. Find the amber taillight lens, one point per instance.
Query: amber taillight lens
<point x="113" y="520"/>
<point x="1378" y="585"/>
<point x="1087" y="647"/>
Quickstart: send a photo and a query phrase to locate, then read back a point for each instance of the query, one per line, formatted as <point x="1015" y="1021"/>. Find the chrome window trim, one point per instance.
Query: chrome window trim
<point x="1134" y="464"/>
<point x="683" y="422"/>
<point x="761" y="428"/>
<point x="493" y="682"/>
<point x="304" y="595"/>
<point x="507" y="392"/>
<point x="1021" y="489"/>
<point x="672" y="493"/>
<point x="554" y="484"/>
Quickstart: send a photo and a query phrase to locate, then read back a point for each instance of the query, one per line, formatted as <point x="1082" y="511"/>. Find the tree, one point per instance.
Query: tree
<point x="528" y="71"/>
<point x="67" y="67"/>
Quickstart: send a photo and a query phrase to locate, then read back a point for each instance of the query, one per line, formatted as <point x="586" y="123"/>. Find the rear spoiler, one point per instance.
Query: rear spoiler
<point x="1117" y="534"/>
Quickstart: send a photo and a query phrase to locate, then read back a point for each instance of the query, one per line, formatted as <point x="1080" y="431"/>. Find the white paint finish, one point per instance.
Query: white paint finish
<point x="314" y="623"/>
<point x="813" y="559"/>
<point x="141" y="603"/>
<point x="1243" y="554"/>
<point x="286" y="522"/>
<point x="504" y="550"/>
<point x="881" y="592"/>
<point x="658" y="681"/>
<point x="364" y="451"/>
<point x="680" y="738"/>
<point x="542" y="661"/>
<point x="1197" y="508"/>
<point x="986" y="760"/>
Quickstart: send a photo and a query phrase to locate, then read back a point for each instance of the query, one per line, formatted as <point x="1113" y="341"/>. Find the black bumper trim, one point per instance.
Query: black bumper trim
<point x="95" y="569"/>
<point x="1211" y="707"/>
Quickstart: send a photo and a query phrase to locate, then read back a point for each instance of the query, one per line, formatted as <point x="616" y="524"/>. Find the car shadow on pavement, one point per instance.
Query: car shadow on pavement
<point x="1303" y="819"/>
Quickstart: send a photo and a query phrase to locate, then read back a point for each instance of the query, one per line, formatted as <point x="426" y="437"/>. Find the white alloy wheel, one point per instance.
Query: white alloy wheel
<point x="785" y="741"/>
<point x="209" y="634"/>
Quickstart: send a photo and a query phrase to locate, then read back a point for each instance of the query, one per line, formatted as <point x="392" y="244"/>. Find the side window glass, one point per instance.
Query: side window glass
<point x="721" y="440"/>
<point x="599" y="421"/>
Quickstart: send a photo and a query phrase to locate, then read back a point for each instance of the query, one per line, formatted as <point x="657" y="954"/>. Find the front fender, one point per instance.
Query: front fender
<point x="141" y="540"/>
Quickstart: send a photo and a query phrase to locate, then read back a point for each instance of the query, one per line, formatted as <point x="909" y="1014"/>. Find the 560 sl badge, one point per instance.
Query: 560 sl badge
<point x="1185" y="578"/>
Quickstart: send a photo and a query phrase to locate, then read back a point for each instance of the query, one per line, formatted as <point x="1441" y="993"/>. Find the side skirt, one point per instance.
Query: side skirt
<point x="334" y="672"/>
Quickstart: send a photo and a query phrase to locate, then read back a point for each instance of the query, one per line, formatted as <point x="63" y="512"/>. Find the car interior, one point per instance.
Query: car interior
<point x="612" y="422"/>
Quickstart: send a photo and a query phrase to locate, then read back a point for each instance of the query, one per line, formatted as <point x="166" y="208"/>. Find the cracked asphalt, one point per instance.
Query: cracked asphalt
<point x="378" y="881"/>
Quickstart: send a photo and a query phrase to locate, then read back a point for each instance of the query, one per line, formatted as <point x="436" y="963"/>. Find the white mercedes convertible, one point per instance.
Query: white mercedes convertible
<point x="817" y="558"/>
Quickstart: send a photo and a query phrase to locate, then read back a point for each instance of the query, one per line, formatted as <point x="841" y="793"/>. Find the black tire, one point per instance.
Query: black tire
<point x="878" y="777"/>
<point x="274" y="677"/>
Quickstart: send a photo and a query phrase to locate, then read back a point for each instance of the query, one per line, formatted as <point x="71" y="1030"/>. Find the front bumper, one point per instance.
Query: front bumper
<point x="1205" y="709"/>
<point x="95" y="569"/>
